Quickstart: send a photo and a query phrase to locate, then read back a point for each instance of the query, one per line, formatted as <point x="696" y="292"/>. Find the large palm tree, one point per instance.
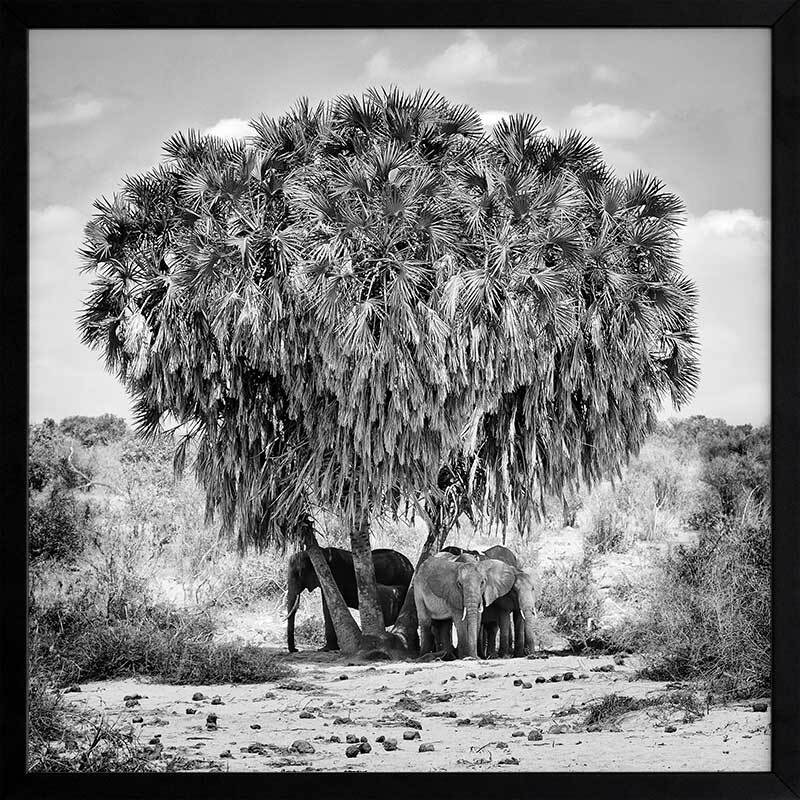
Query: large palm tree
<point x="369" y="295"/>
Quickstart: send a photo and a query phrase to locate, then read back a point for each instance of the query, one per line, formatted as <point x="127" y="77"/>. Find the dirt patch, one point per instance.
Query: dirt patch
<point x="476" y="715"/>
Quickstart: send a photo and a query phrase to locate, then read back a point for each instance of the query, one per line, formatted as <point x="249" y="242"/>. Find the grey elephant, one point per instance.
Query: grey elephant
<point x="449" y="588"/>
<point x="519" y="604"/>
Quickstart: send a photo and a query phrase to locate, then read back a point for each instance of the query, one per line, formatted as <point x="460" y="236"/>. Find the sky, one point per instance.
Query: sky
<point x="691" y="106"/>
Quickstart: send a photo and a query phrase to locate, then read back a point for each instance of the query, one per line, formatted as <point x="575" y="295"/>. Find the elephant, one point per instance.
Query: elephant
<point x="457" y="551"/>
<point x="393" y="572"/>
<point x="519" y="603"/>
<point x="391" y="600"/>
<point x="455" y="589"/>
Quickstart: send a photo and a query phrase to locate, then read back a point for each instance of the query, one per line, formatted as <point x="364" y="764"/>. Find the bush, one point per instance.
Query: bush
<point x="62" y="738"/>
<point x="56" y="523"/>
<point x="568" y="594"/>
<point x="709" y="615"/>
<point x="310" y="632"/>
<point x="171" y="646"/>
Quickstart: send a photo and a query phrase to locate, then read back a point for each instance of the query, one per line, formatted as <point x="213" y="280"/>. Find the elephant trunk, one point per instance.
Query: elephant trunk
<point x="292" y="602"/>
<point x="471" y="622"/>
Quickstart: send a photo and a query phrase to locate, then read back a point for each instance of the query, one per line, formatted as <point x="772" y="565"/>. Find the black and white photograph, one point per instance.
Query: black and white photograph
<point x="399" y="400"/>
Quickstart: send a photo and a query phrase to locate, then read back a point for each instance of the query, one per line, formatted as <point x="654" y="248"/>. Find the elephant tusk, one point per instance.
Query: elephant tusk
<point x="522" y="613"/>
<point x="293" y="608"/>
<point x="464" y="614"/>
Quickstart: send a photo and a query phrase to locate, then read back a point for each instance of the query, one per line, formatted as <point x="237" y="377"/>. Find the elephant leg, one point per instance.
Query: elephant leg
<point x="521" y="647"/>
<point x="331" y="642"/>
<point x="505" y="635"/>
<point x="425" y="637"/>
<point x="491" y="639"/>
<point x="482" y="641"/>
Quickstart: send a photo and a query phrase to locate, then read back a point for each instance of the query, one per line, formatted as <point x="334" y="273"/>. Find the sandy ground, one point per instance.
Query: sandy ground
<point x="433" y="699"/>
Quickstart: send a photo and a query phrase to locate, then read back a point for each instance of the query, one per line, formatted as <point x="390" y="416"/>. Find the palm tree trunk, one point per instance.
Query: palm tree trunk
<point x="405" y="628"/>
<point x="369" y="608"/>
<point x="347" y="632"/>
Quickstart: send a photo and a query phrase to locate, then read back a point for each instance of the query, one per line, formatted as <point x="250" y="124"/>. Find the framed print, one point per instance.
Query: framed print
<point x="401" y="390"/>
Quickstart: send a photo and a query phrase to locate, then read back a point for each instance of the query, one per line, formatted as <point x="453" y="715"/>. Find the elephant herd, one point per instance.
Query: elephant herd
<point x="480" y="594"/>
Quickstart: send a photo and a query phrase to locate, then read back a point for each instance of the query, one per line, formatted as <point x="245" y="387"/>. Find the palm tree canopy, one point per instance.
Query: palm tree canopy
<point x="371" y="290"/>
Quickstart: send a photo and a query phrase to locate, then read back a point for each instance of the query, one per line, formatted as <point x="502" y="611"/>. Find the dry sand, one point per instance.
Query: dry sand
<point x="378" y="700"/>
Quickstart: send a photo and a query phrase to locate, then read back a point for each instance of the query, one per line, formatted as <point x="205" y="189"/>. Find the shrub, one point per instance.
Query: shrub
<point x="310" y="632"/>
<point x="56" y="523"/>
<point x="63" y="738"/>
<point x="568" y="594"/>
<point x="172" y="646"/>
<point x="709" y="614"/>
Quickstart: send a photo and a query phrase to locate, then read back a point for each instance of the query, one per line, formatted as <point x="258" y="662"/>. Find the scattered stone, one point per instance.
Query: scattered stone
<point x="412" y="723"/>
<point x="211" y="722"/>
<point x="408" y="704"/>
<point x="269" y="696"/>
<point x="527" y="685"/>
<point x="484" y="675"/>
<point x="334" y="740"/>
<point x="363" y="739"/>
<point x="138" y="719"/>
<point x="412" y="670"/>
<point x="341" y="721"/>
<point x="555" y="697"/>
<point x="558" y="729"/>
<point x="217" y="701"/>
<point x="518" y="733"/>
<point x="255" y="726"/>
<point x="555" y="678"/>
<point x="501" y="745"/>
<point x="73" y="688"/>
<point x="302" y="746"/>
<point x="594" y="728"/>
<point x="191" y="710"/>
<point x="540" y="679"/>
<point x="351" y="738"/>
<point x="380" y="738"/>
<point x="484" y="722"/>
<point x="517" y="682"/>
<point x="583" y="676"/>
<point x="470" y="675"/>
<point x="131" y="703"/>
<point x="198" y="696"/>
<point x="603" y="668"/>
<point x="306" y="715"/>
<point x="411" y="735"/>
<point x="761" y="706"/>
<point x="365" y="747"/>
<point x="133" y="697"/>
<point x="426" y="747"/>
<point x="353" y="750"/>
<point x="226" y="754"/>
<point x="670" y="729"/>
<point x="464" y="721"/>
<point x="568" y="676"/>
<point x="443" y="698"/>
<point x="535" y="735"/>
<point x="343" y="677"/>
<point x="155" y="739"/>
<point x="509" y="760"/>
<point x="389" y="744"/>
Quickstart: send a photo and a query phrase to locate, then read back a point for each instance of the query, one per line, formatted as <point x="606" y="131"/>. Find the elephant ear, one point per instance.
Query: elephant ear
<point x="500" y="579"/>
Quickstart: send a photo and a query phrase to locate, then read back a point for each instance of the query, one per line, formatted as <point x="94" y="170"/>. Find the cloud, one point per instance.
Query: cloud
<point x="727" y="253"/>
<point x="735" y="223"/>
<point x="69" y="111"/>
<point x="606" y="121"/>
<point x="466" y="61"/>
<point x="491" y="118"/>
<point x="230" y="128"/>
<point x="602" y="73"/>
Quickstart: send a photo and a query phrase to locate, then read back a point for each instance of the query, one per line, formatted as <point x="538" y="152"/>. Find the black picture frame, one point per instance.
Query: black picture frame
<point x="782" y="17"/>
